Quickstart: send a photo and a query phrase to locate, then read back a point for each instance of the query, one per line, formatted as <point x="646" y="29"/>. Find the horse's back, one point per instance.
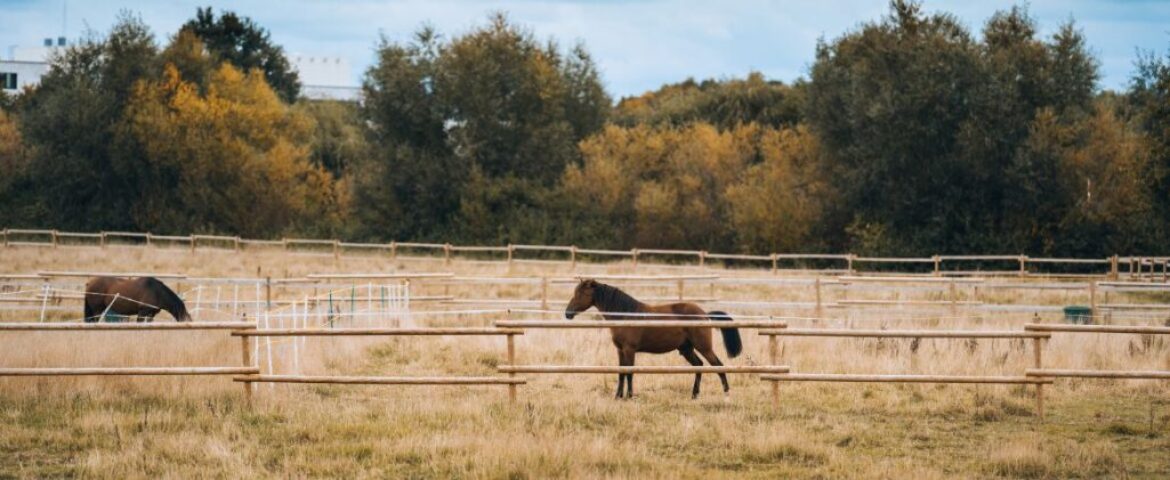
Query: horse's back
<point x="100" y="284"/>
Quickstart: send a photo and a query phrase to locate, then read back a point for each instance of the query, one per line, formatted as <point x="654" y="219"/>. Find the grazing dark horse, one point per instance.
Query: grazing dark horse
<point x="615" y="304"/>
<point x="142" y="297"/>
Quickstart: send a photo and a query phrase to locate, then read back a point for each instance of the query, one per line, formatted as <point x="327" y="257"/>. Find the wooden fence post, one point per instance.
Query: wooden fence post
<point x="511" y="361"/>
<point x="634" y="254"/>
<point x="774" y="361"/>
<point x="54" y="239"/>
<point x="1038" y="363"/>
<point x="246" y="352"/>
<point x="1023" y="265"/>
<point x="149" y="239"/>
<point x="819" y="311"/>
<point x="573" y="257"/>
<point x="237" y="243"/>
<point x="393" y="250"/>
<point x="775" y="260"/>
<point x="1113" y="267"/>
<point x="336" y="250"/>
<point x="954" y="290"/>
<point x="702" y="258"/>
<point x="511" y="253"/>
<point x="680" y="289"/>
<point x="6" y="237"/>
<point x="268" y="293"/>
<point x="544" y="293"/>
<point x="849" y="263"/>
<point x="937" y="264"/>
<point x="1092" y="300"/>
<point x="191" y="238"/>
<point x="447" y="253"/>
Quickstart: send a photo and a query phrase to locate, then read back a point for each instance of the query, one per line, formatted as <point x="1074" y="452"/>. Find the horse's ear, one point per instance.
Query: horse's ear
<point x="589" y="282"/>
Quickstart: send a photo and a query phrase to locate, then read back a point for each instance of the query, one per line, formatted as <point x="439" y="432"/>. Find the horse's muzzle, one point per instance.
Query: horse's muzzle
<point x="569" y="314"/>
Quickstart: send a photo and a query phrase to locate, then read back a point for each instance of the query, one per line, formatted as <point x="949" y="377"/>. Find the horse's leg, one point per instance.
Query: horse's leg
<point x="626" y="359"/>
<point x="621" y="376"/>
<point x="709" y="354"/>
<point x="688" y="352"/>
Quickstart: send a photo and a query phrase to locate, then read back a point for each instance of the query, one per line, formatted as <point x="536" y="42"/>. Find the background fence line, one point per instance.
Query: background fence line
<point x="1132" y="266"/>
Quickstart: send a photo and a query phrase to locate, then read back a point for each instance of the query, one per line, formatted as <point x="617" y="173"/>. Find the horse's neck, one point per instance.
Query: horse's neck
<point x="614" y="311"/>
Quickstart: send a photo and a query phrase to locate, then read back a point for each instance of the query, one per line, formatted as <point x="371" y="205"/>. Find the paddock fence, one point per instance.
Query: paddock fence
<point x="255" y="377"/>
<point x="56" y="295"/>
<point x="1113" y="267"/>
<point x="512" y="368"/>
<point x="247" y="367"/>
<point x="1039" y="371"/>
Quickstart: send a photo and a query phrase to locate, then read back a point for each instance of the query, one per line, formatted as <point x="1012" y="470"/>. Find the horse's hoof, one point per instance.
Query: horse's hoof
<point x="726" y="397"/>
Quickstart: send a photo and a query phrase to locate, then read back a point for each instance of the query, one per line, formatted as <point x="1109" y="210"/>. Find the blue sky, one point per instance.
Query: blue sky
<point x="638" y="44"/>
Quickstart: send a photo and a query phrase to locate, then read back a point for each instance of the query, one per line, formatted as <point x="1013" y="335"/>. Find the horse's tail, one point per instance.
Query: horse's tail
<point x="731" y="340"/>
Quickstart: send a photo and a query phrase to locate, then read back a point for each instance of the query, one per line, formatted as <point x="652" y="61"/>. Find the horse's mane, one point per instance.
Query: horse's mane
<point x="612" y="299"/>
<point x="169" y="297"/>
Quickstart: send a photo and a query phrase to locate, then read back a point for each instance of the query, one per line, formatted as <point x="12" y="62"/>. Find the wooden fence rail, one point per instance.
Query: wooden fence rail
<point x="511" y="381"/>
<point x="366" y="380"/>
<point x="569" y="324"/>
<point x="1108" y="329"/>
<point x="1114" y="374"/>
<point x="641" y="369"/>
<point x="1037" y="349"/>
<point x="511" y="368"/>
<point x="859" y="333"/>
<point x="879" y="378"/>
<point x="125" y="371"/>
<point x="101" y="326"/>
<point x="247" y="368"/>
<point x="1135" y="264"/>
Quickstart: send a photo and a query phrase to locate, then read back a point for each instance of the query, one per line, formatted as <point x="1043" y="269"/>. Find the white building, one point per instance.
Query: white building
<point x="26" y="65"/>
<point x="325" y="78"/>
<point x="322" y="78"/>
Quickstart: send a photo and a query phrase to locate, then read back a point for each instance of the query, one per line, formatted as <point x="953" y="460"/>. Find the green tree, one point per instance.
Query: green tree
<point x="924" y="126"/>
<point x="246" y="45"/>
<point x="887" y="102"/>
<point x="339" y="140"/>
<point x="85" y="175"/>
<point x="409" y="186"/>
<point x="724" y="104"/>
<point x="480" y="125"/>
<point x="1149" y="105"/>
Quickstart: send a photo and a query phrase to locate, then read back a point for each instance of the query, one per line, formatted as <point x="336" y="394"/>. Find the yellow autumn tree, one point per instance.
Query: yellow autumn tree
<point x="779" y="200"/>
<point x="232" y="159"/>
<point x="11" y="147"/>
<point x="658" y="186"/>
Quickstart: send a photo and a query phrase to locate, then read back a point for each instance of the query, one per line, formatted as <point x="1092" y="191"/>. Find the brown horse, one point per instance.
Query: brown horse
<point x="142" y="297"/>
<point x="615" y="304"/>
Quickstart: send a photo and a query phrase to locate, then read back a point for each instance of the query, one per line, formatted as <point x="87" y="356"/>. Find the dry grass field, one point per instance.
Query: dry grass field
<point x="569" y="425"/>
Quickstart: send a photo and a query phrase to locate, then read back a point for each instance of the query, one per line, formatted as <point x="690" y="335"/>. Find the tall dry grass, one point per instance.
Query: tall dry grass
<point x="568" y="425"/>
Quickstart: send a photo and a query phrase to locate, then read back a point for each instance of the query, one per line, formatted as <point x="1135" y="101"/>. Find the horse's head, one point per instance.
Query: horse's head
<point x="582" y="298"/>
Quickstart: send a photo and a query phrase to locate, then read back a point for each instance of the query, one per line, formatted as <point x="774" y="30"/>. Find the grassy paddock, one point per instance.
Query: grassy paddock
<point x="567" y="425"/>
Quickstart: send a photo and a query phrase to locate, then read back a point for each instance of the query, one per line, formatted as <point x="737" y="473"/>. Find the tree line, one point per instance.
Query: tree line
<point x="910" y="135"/>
